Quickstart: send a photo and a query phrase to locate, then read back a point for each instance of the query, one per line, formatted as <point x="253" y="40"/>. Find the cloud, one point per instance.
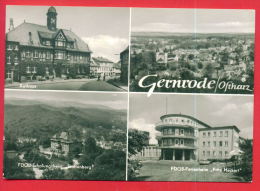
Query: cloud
<point x="142" y="125"/>
<point x="237" y="114"/>
<point x="234" y="109"/>
<point x="106" y="46"/>
<point x="228" y="27"/>
<point x="214" y="27"/>
<point x="218" y="98"/>
<point x="233" y="24"/>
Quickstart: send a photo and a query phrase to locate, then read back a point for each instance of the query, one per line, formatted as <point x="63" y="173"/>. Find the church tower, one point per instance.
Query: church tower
<point x="52" y="19"/>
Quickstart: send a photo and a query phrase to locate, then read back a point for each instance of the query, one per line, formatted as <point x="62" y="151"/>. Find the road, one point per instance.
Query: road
<point x="76" y="85"/>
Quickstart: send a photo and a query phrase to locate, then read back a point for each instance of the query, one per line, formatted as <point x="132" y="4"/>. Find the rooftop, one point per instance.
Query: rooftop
<point x="222" y="127"/>
<point x="186" y="116"/>
<point x="21" y="34"/>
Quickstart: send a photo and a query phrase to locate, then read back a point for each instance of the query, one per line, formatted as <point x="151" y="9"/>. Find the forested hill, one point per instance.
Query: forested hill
<point x="38" y="120"/>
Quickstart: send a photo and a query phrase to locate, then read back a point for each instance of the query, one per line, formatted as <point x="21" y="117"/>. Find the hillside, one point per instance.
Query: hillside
<point x="41" y="120"/>
<point x="170" y="34"/>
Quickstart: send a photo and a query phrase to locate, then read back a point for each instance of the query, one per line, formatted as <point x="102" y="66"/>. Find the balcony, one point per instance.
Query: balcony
<point x="160" y="125"/>
<point x="176" y="146"/>
<point x="159" y="136"/>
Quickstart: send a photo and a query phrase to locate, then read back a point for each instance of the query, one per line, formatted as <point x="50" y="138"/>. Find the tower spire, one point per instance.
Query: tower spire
<point x="11" y="27"/>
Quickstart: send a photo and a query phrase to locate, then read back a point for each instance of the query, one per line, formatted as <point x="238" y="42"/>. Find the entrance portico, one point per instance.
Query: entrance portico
<point x="177" y="154"/>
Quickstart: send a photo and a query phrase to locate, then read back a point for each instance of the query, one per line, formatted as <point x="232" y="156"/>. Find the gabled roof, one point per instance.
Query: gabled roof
<point x="101" y="60"/>
<point x="21" y="34"/>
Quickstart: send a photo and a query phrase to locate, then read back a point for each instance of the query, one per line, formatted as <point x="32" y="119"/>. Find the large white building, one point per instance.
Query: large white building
<point x="186" y="138"/>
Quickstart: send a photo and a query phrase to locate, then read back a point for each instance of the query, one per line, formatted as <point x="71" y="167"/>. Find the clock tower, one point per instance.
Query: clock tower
<point x="52" y="19"/>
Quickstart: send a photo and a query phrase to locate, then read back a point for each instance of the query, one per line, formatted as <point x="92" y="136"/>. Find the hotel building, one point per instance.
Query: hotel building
<point x="186" y="138"/>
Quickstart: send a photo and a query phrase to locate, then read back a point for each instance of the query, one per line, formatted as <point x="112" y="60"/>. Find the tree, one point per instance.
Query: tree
<point x="246" y="160"/>
<point x="136" y="141"/>
<point x="90" y="152"/>
<point x="191" y="56"/>
<point x="33" y="157"/>
<point x="200" y="65"/>
<point x="90" y="145"/>
<point x="186" y="73"/>
<point x="208" y="70"/>
<point x="77" y="174"/>
<point x="75" y="150"/>
<point x="13" y="171"/>
<point x="110" y="165"/>
<point x="55" y="174"/>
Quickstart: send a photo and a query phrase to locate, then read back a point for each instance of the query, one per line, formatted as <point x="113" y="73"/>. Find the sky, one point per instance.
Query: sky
<point x="113" y="100"/>
<point x="215" y="110"/>
<point x="106" y="30"/>
<point x="192" y="20"/>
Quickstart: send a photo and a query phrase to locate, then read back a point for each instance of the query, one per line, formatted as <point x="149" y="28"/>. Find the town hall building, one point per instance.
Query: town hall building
<point x="40" y="52"/>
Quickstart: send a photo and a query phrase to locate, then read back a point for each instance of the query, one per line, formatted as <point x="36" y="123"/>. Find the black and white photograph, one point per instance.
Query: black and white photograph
<point x="67" y="48"/>
<point x="65" y="135"/>
<point x="184" y="137"/>
<point x="192" y="50"/>
<point x="138" y="94"/>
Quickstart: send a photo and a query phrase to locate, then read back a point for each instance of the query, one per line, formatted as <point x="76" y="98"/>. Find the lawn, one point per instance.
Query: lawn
<point x="66" y="85"/>
<point x="83" y="85"/>
<point x="99" y="86"/>
<point x="161" y="171"/>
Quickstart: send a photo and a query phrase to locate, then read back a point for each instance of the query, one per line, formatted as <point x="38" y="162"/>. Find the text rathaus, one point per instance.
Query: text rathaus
<point x="36" y="51"/>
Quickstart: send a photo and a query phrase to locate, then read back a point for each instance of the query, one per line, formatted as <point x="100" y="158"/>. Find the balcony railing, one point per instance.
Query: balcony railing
<point x="169" y="124"/>
<point x="176" y="146"/>
<point x="159" y="136"/>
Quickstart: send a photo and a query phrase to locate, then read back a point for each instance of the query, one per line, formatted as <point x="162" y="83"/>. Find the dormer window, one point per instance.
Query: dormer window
<point x="60" y="43"/>
<point x="30" y="38"/>
<point x="60" y="40"/>
<point x="47" y="43"/>
<point x="70" y="45"/>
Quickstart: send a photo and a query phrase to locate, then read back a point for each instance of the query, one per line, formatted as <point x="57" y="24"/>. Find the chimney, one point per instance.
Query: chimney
<point x="30" y="38"/>
<point x="11" y="27"/>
